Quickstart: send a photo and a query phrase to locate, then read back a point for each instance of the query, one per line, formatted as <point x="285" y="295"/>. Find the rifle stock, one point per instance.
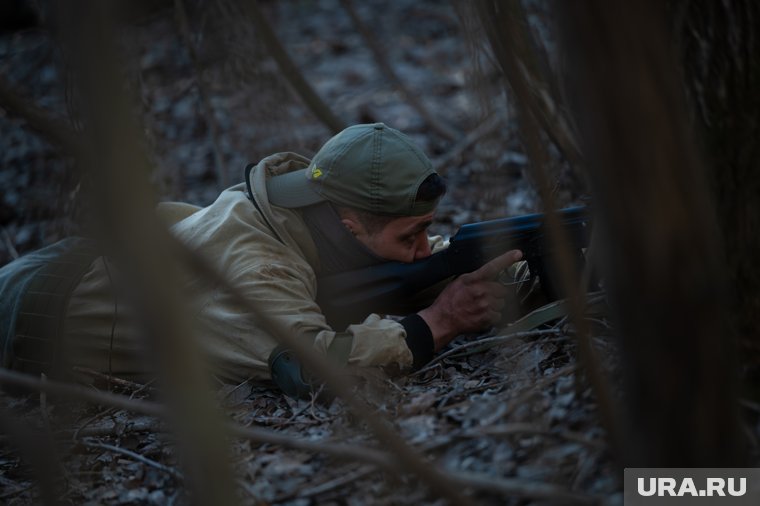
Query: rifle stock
<point x="392" y="287"/>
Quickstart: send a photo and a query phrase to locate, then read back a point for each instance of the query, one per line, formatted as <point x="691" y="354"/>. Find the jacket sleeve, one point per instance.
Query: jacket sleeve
<point x="287" y="293"/>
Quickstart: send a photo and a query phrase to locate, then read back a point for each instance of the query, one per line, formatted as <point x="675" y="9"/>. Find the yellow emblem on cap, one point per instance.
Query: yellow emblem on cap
<point x="316" y="172"/>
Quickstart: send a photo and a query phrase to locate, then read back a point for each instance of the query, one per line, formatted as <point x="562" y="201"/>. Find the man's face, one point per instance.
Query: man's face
<point x="403" y="239"/>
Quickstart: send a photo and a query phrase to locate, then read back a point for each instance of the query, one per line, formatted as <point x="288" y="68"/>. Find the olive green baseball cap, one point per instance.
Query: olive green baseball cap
<point x="371" y="167"/>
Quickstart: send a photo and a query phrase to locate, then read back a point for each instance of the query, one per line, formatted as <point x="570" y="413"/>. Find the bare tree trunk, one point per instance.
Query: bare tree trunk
<point x="663" y="257"/>
<point x="719" y="43"/>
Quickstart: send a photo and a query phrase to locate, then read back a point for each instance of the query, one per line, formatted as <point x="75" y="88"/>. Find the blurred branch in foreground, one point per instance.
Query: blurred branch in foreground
<point x="719" y="46"/>
<point x="502" y="22"/>
<point x="37" y="450"/>
<point x="508" y="29"/>
<point x="663" y="246"/>
<point x="122" y="193"/>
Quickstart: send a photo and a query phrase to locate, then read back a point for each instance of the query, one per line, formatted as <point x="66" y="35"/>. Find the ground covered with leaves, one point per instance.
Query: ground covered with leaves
<point x="515" y="423"/>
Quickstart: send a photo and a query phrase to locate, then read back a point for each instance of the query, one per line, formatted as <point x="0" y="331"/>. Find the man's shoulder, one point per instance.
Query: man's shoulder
<point x="231" y="216"/>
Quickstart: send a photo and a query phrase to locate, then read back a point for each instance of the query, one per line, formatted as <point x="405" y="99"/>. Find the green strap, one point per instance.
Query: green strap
<point x="289" y="376"/>
<point x="340" y="347"/>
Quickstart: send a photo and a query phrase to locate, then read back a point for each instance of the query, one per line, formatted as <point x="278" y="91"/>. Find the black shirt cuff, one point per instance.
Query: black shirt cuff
<point x="419" y="339"/>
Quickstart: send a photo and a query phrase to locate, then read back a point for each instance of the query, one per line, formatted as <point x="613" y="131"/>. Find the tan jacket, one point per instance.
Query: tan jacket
<point x="279" y="278"/>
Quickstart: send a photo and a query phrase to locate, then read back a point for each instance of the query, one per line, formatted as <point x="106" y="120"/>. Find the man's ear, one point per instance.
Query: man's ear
<point x="352" y="224"/>
<point x="351" y="221"/>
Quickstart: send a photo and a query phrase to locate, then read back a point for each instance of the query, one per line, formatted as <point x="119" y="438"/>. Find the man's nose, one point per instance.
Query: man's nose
<point x="423" y="247"/>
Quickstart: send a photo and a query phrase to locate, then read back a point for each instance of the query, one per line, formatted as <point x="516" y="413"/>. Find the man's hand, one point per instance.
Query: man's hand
<point x="470" y="303"/>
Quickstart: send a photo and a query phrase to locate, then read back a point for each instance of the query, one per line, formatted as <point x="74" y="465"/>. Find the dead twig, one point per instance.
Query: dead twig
<point x="522" y="396"/>
<point x="541" y="384"/>
<point x="39" y="120"/>
<point x="20" y="489"/>
<point x="522" y="350"/>
<point x="238" y="387"/>
<point x="136" y="456"/>
<point x="512" y="429"/>
<point x="290" y="70"/>
<point x="8" y="243"/>
<point x="207" y="106"/>
<point x="43" y="407"/>
<point x="486" y="342"/>
<point x="515" y="487"/>
<point x="482" y="130"/>
<point x="327" y="486"/>
<point x="81" y="429"/>
<point x="116" y="429"/>
<point x="386" y="68"/>
<point x="131" y="385"/>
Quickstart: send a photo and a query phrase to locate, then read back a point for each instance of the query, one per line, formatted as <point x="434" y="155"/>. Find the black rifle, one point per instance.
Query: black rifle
<point x="392" y="287"/>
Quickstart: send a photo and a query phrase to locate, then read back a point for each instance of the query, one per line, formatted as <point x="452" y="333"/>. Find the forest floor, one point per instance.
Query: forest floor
<point x="516" y="423"/>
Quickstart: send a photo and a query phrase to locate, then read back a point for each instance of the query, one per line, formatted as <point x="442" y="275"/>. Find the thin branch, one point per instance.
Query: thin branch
<point x="39" y="120"/>
<point x="82" y="429"/>
<point x="208" y="107"/>
<point x="482" y="130"/>
<point x="19" y="490"/>
<point x="328" y="486"/>
<point x="539" y="385"/>
<point x="131" y="385"/>
<point x="435" y="124"/>
<point x="511" y="429"/>
<point x="486" y="343"/>
<point x="515" y="487"/>
<point x="8" y="243"/>
<point x="290" y="70"/>
<point x="136" y="456"/>
<point x="531" y="67"/>
<point x="117" y="429"/>
<point x="44" y="409"/>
